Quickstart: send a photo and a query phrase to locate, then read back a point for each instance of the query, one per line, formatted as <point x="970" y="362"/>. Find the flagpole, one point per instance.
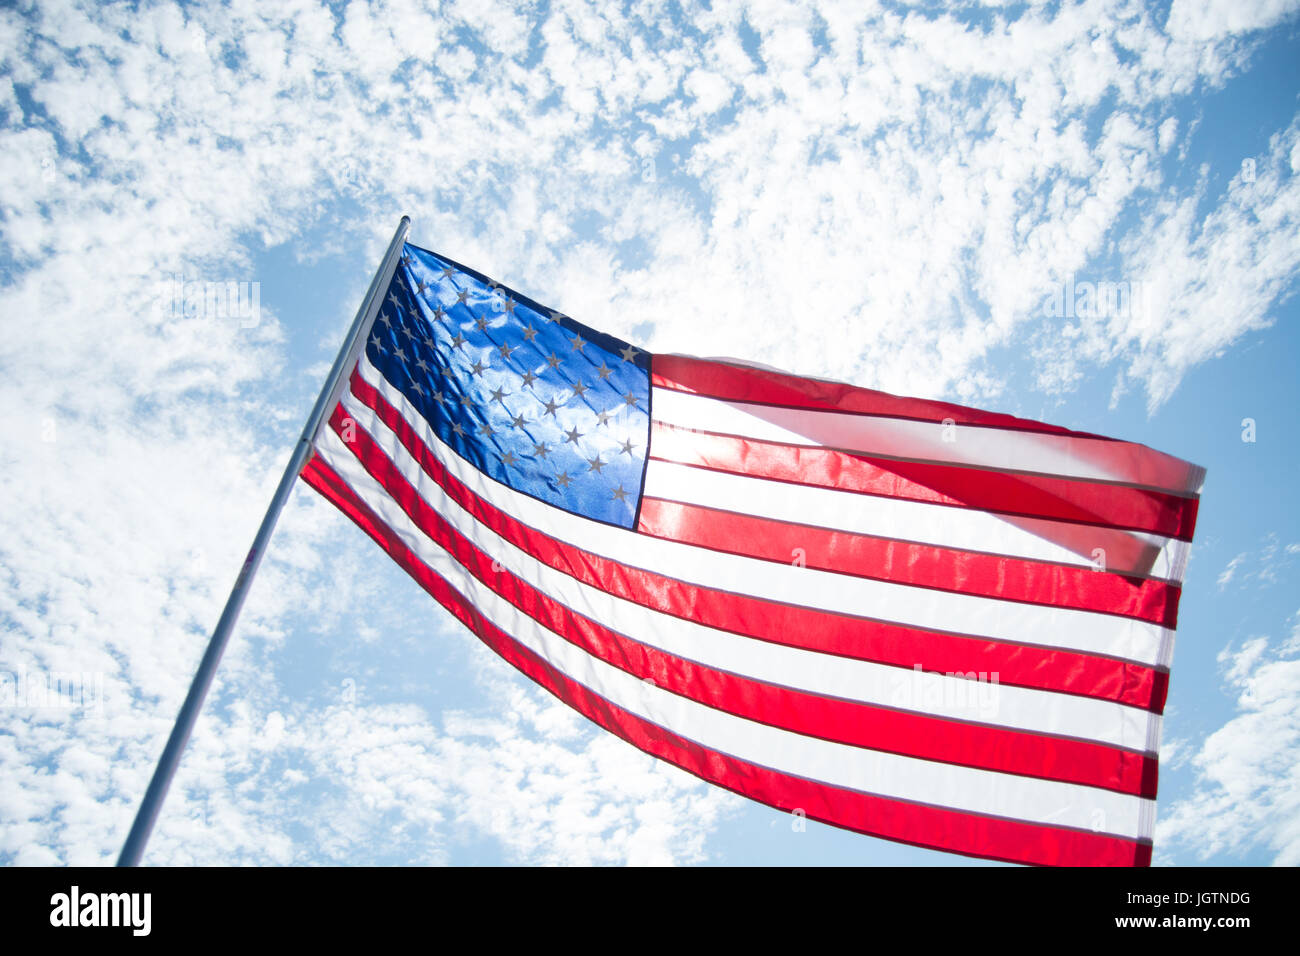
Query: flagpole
<point x="133" y="848"/>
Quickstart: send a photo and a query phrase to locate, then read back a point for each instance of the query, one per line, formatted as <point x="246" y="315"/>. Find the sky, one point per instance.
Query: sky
<point x="921" y="199"/>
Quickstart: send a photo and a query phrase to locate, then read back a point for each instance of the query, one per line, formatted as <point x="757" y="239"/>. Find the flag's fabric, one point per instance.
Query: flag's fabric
<point x="911" y="619"/>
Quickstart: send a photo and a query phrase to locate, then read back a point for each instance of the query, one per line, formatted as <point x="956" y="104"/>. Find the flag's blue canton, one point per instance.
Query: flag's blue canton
<point x="539" y="402"/>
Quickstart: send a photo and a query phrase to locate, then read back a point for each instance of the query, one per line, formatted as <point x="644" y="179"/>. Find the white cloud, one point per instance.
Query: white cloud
<point x="1248" y="771"/>
<point x="1211" y="19"/>
<point x="1225" y="576"/>
<point x="1262" y="568"/>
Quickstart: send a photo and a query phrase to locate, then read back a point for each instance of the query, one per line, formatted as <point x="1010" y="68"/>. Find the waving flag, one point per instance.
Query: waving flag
<point x="911" y="619"/>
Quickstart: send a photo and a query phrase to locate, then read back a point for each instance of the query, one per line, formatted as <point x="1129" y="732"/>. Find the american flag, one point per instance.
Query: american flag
<point x="911" y="619"/>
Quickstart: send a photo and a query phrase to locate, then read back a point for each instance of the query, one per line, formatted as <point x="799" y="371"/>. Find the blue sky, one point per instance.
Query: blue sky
<point x="891" y="195"/>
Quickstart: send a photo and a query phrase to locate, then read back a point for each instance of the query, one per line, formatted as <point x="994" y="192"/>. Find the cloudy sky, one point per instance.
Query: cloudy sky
<point x="910" y="198"/>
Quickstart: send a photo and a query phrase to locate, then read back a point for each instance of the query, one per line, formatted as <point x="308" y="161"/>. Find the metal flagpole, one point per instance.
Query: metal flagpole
<point x="171" y="755"/>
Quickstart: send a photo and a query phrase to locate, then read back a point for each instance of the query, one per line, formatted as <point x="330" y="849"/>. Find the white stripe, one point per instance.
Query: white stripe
<point x="1019" y="708"/>
<point x="966" y="529"/>
<point x="806" y="587"/>
<point x="889" y="775"/>
<point x="1037" y="452"/>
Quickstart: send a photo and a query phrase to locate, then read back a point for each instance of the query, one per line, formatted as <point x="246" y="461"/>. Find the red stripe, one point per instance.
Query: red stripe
<point x="1123" y="552"/>
<point x="857" y="724"/>
<point x="918" y="565"/>
<point x="925" y="826"/>
<point x="684" y="373"/>
<point x="1029" y="496"/>
<point x="1137" y="463"/>
<point x="1050" y="669"/>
